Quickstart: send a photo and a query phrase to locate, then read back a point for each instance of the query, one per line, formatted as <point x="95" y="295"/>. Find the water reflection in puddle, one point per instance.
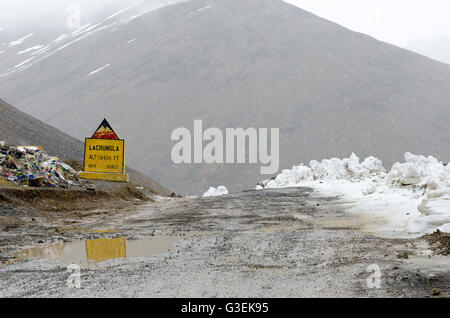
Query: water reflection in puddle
<point x="103" y="249"/>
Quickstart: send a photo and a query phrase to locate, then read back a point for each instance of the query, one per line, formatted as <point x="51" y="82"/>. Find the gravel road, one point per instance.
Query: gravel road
<point x="274" y="243"/>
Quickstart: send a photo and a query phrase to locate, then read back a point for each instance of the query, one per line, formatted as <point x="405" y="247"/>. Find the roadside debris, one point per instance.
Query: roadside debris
<point x="436" y="292"/>
<point x="440" y="242"/>
<point x="403" y="255"/>
<point x="29" y="166"/>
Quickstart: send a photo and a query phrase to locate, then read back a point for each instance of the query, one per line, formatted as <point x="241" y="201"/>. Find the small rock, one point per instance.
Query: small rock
<point x="436" y="292"/>
<point x="403" y="255"/>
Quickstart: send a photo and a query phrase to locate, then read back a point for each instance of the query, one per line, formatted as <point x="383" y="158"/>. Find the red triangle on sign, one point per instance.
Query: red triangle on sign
<point x="105" y="131"/>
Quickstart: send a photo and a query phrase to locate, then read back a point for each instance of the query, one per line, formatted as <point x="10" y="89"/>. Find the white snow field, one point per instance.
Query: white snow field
<point x="413" y="198"/>
<point x="216" y="192"/>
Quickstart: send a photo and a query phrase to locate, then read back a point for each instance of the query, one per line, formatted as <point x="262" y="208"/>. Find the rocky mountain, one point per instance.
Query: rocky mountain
<point x="232" y="63"/>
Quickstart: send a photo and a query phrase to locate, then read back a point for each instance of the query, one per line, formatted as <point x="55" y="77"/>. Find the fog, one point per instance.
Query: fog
<point x="422" y="26"/>
<point x="16" y="14"/>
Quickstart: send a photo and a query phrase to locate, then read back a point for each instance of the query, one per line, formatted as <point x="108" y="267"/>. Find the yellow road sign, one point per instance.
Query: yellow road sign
<point x="104" y="249"/>
<point x="104" y="155"/>
<point x="117" y="177"/>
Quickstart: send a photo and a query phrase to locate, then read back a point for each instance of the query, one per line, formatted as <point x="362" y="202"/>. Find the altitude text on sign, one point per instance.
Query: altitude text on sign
<point x="103" y="155"/>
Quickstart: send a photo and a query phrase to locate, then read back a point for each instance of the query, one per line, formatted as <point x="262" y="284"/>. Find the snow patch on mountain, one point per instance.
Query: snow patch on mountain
<point x="118" y="13"/>
<point x="23" y="63"/>
<point x="20" y="41"/>
<point x="34" y="48"/>
<point x="98" y="70"/>
<point x="111" y="22"/>
<point x="201" y="9"/>
<point x="204" y="8"/>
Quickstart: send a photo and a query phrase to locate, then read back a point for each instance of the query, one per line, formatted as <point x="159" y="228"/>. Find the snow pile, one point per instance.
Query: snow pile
<point x="328" y="169"/>
<point x="413" y="197"/>
<point x="215" y="192"/>
<point x="419" y="171"/>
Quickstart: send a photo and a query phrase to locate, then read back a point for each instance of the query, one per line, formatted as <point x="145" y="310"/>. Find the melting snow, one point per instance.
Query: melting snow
<point x="134" y="17"/>
<point x="413" y="197"/>
<point x="23" y="63"/>
<point x="131" y="41"/>
<point x="82" y="29"/>
<point x="61" y="37"/>
<point x="98" y="70"/>
<point x="20" y="41"/>
<point x="34" y="48"/>
<point x="215" y="192"/>
<point x="118" y="13"/>
<point x="204" y="8"/>
<point x="41" y="50"/>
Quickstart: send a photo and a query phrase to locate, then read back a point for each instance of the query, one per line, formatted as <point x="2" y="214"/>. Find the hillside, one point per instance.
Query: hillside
<point x="18" y="128"/>
<point x="234" y="63"/>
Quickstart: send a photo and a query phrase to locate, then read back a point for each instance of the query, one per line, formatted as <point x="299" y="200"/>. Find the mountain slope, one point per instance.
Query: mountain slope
<point x="18" y="128"/>
<point x="239" y="63"/>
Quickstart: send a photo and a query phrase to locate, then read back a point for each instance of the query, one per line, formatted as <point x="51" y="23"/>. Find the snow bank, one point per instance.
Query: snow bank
<point x="413" y="197"/>
<point x="419" y="171"/>
<point x="329" y="169"/>
<point x="215" y="192"/>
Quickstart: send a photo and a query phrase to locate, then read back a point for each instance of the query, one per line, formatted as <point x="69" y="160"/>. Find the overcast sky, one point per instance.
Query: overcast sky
<point x="420" y="25"/>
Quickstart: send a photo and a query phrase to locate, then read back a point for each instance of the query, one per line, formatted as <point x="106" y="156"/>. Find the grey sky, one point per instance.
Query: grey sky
<point x="420" y="25"/>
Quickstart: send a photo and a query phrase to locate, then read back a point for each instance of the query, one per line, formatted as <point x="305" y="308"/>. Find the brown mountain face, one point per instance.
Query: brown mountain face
<point x="237" y="63"/>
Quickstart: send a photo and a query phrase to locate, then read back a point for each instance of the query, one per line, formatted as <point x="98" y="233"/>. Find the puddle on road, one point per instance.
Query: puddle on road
<point x="98" y="250"/>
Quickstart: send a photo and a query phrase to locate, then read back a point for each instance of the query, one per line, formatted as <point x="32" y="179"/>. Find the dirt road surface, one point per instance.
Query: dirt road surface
<point x="273" y="243"/>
